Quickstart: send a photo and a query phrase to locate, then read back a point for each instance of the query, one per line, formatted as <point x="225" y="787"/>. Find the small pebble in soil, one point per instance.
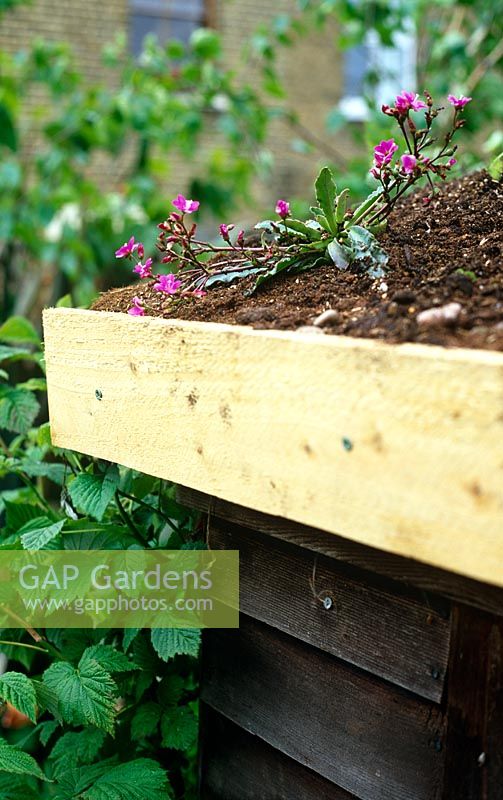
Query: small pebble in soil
<point x="328" y="317"/>
<point x="309" y="329"/>
<point x="445" y="315"/>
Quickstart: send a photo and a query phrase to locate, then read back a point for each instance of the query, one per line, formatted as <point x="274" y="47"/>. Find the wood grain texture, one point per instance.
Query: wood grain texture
<point x="373" y="740"/>
<point x="398" y="447"/>
<point x="239" y="766"/>
<point x="474" y="738"/>
<point x="391" y="636"/>
<point x="430" y="581"/>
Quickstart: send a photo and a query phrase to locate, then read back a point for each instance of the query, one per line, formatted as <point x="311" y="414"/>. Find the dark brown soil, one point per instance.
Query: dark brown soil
<point x="448" y="251"/>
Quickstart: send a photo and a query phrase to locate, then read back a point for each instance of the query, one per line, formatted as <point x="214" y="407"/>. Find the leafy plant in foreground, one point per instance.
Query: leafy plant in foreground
<point x="334" y="234"/>
<point x="87" y="714"/>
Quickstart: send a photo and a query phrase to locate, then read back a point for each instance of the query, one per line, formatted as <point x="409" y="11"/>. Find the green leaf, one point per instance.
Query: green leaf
<point x="360" y="210"/>
<point x="92" y="493"/>
<point x="142" y="779"/>
<point x="145" y="721"/>
<point x="171" y="642"/>
<point x="18" y="514"/>
<point x="179" y="728"/>
<point x="340" y="254"/>
<point x="18" y="409"/>
<point x="326" y="191"/>
<point x="229" y="276"/>
<point x="128" y="637"/>
<point x="308" y="231"/>
<point x="8" y="133"/>
<point x="47" y="700"/>
<point x="18" y="330"/>
<point x="46" y="730"/>
<point x="109" y="658"/>
<point x="86" y="695"/>
<point x="34" y="385"/>
<point x="269" y="225"/>
<point x="278" y="267"/>
<point x="495" y="168"/>
<point x="73" y="749"/>
<point x="17" y="689"/>
<point x="8" y="353"/>
<point x="14" y="787"/>
<point x="15" y="761"/>
<point x="39" y="532"/>
<point x="341" y="205"/>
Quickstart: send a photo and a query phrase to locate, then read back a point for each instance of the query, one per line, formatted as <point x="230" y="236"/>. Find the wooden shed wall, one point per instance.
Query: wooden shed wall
<point x="390" y="691"/>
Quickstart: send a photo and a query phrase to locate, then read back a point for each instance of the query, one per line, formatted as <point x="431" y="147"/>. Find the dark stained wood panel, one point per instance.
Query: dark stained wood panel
<point x="388" y="635"/>
<point x="407" y="571"/>
<point x="239" y="766"/>
<point x="373" y="740"/>
<point x="474" y="740"/>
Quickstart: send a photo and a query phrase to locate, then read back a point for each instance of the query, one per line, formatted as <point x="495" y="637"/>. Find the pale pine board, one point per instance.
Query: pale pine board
<point x="258" y="418"/>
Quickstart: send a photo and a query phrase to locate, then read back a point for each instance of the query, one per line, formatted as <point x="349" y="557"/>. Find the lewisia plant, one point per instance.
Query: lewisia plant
<point x="335" y="234"/>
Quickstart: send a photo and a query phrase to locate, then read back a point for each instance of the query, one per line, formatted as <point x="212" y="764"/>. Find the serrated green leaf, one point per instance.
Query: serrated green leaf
<point x="17" y="689"/>
<point x="326" y="191"/>
<point x="129" y="636"/>
<point x="109" y="658"/>
<point x="86" y="695"/>
<point x="18" y="409"/>
<point x="145" y="721"/>
<point x="15" y="787"/>
<point x="91" y="494"/>
<point x="73" y="749"/>
<point x="340" y="254"/>
<point x="178" y="728"/>
<point x="18" y="330"/>
<point x="18" y="514"/>
<point x="142" y="779"/>
<point x="47" y="700"/>
<point x="41" y="469"/>
<point x="170" y="690"/>
<point x="171" y="642"/>
<point x="37" y="533"/>
<point x="46" y="730"/>
<point x="16" y="762"/>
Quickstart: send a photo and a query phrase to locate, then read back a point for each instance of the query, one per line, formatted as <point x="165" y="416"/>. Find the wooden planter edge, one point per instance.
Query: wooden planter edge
<point x="399" y="447"/>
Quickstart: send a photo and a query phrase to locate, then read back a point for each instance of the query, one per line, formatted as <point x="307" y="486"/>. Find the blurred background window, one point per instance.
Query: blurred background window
<point x="166" y="19"/>
<point x="371" y="69"/>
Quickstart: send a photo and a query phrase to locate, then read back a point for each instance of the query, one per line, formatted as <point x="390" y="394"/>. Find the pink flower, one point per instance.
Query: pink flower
<point x="408" y="100"/>
<point x="451" y="162"/>
<point x="168" y="284"/>
<point x="137" y="309"/>
<point x="127" y="248"/>
<point x="282" y="209"/>
<point x="241" y="239"/>
<point x="144" y="270"/>
<point x="225" y="230"/>
<point x="409" y="163"/>
<point x="184" y="205"/>
<point x="458" y="102"/>
<point x="383" y="152"/>
<point x="141" y="251"/>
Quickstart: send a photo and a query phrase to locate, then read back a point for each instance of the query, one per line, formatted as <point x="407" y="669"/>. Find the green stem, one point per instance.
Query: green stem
<point x="22" y="644"/>
<point x="127" y="519"/>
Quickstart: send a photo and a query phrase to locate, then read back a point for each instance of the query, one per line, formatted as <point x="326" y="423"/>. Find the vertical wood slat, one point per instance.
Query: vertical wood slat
<point x="474" y="738"/>
<point x="375" y="741"/>
<point x="239" y="766"/>
<point x="391" y="636"/>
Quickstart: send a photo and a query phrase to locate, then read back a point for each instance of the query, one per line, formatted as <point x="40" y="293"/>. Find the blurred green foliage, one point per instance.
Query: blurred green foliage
<point x="60" y="221"/>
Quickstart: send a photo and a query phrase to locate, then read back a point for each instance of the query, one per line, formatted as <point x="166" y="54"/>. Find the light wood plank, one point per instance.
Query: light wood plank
<point x="261" y="418"/>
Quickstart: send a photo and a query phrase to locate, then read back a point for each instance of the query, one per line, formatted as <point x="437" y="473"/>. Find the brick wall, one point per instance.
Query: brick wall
<point x="311" y="70"/>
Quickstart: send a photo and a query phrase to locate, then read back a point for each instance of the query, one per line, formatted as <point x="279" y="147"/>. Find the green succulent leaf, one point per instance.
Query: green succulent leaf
<point x="341" y="255"/>
<point x="311" y="232"/>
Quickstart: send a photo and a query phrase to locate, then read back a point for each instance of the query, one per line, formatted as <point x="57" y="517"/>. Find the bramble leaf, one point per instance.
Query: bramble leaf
<point x="171" y="642"/>
<point x="18" y="409"/>
<point x="18" y="330"/>
<point x="109" y="658"/>
<point x="17" y="689"/>
<point x="142" y="779"/>
<point x="92" y="493"/>
<point x="178" y="728"/>
<point x="73" y="749"/>
<point x="145" y="721"/>
<point x="86" y="695"/>
<point x="15" y="761"/>
<point x="38" y="532"/>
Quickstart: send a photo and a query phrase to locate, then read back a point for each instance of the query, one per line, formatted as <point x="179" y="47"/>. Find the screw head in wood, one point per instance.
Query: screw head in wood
<point x="328" y="603"/>
<point x="98" y="394"/>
